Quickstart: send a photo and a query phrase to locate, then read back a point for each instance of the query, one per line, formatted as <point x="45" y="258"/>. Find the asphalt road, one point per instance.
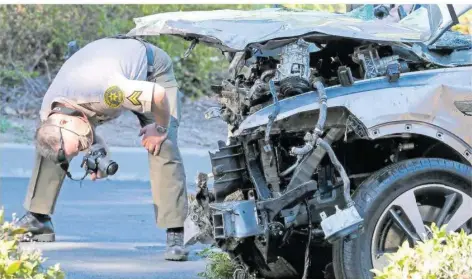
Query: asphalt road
<point x="104" y="229"/>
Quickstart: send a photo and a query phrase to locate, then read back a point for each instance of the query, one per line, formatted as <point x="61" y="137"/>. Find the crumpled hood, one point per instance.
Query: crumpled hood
<point x="235" y="29"/>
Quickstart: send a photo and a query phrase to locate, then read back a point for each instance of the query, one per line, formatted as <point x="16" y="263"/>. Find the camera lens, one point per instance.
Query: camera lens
<point x="112" y="168"/>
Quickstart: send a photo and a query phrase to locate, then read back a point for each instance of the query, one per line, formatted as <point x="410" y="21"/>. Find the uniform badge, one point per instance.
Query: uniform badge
<point x="114" y="97"/>
<point x="133" y="98"/>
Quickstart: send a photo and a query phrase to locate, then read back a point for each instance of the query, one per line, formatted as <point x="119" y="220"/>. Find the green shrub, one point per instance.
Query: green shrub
<point x="34" y="40"/>
<point x="16" y="263"/>
<point x="442" y="256"/>
<point x="219" y="265"/>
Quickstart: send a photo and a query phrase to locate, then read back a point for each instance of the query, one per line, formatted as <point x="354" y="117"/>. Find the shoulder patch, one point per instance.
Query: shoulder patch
<point x="133" y="98"/>
<point x="114" y="97"/>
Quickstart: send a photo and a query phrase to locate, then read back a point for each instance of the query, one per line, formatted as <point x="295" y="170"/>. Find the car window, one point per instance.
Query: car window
<point x="458" y="36"/>
<point x="417" y="17"/>
<point x="411" y="16"/>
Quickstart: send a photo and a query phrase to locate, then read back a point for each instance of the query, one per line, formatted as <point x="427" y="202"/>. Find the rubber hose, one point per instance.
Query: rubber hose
<point x="346" y="182"/>
<point x="302" y="150"/>
<point x="322" y="100"/>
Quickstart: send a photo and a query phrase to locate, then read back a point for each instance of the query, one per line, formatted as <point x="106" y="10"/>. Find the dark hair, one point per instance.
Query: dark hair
<point x="48" y="140"/>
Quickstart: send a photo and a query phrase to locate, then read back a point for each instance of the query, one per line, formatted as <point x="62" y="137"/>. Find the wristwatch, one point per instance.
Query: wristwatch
<point x="161" y="129"/>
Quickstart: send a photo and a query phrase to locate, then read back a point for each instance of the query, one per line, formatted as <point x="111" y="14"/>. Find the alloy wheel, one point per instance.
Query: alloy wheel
<point x="406" y="218"/>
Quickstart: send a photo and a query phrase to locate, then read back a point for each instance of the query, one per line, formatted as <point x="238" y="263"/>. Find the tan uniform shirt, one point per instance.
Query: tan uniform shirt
<point x="108" y="76"/>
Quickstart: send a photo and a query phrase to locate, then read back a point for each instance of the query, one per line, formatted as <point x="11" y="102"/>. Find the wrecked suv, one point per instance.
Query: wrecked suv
<point x="347" y="137"/>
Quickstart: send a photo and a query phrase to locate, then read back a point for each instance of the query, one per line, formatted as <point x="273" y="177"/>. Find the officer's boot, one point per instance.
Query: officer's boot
<point x="38" y="227"/>
<point x="175" y="250"/>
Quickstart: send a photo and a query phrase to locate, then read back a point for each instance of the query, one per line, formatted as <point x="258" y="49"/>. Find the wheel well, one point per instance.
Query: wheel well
<point x="362" y="157"/>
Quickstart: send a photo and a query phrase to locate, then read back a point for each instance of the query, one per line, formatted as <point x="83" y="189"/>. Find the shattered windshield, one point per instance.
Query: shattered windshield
<point x="406" y="15"/>
<point x="417" y="17"/>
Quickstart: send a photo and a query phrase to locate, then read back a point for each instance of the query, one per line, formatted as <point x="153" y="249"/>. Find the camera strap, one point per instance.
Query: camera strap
<point x="65" y="168"/>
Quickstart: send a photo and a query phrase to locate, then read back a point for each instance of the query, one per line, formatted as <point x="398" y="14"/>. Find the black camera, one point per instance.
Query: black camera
<point x="96" y="159"/>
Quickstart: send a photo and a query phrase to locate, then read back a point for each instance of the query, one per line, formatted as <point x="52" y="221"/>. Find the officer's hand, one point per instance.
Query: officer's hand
<point x="152" y="139"/>
<point x="94" y="176"/>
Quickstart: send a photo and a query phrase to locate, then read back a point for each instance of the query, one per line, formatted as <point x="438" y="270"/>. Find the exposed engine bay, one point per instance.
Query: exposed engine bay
<point x="295" y="67"/>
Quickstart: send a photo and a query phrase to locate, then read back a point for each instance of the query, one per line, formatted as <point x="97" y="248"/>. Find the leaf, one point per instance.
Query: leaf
<point x="18" y="231"/>
<point x="10" y="244"/>
<point x="39" y="276"/>
<point x="60" y="275"/>
<point x="13" y="267"/>
<point x="29" y="267"/>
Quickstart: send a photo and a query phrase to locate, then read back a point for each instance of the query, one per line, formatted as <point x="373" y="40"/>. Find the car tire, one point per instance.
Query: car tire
<point x="353" y="258"/>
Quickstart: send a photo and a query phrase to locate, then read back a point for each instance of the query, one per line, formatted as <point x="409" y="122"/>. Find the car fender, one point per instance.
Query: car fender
<point x="419" y="102"/>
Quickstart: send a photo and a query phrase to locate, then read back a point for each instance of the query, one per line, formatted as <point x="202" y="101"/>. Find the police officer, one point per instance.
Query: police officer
<point x="95" y="85"/>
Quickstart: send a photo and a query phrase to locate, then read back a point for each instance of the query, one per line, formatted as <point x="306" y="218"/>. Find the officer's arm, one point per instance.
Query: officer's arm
<point x="144" y="97"/>
<point x="160" y="106"/>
